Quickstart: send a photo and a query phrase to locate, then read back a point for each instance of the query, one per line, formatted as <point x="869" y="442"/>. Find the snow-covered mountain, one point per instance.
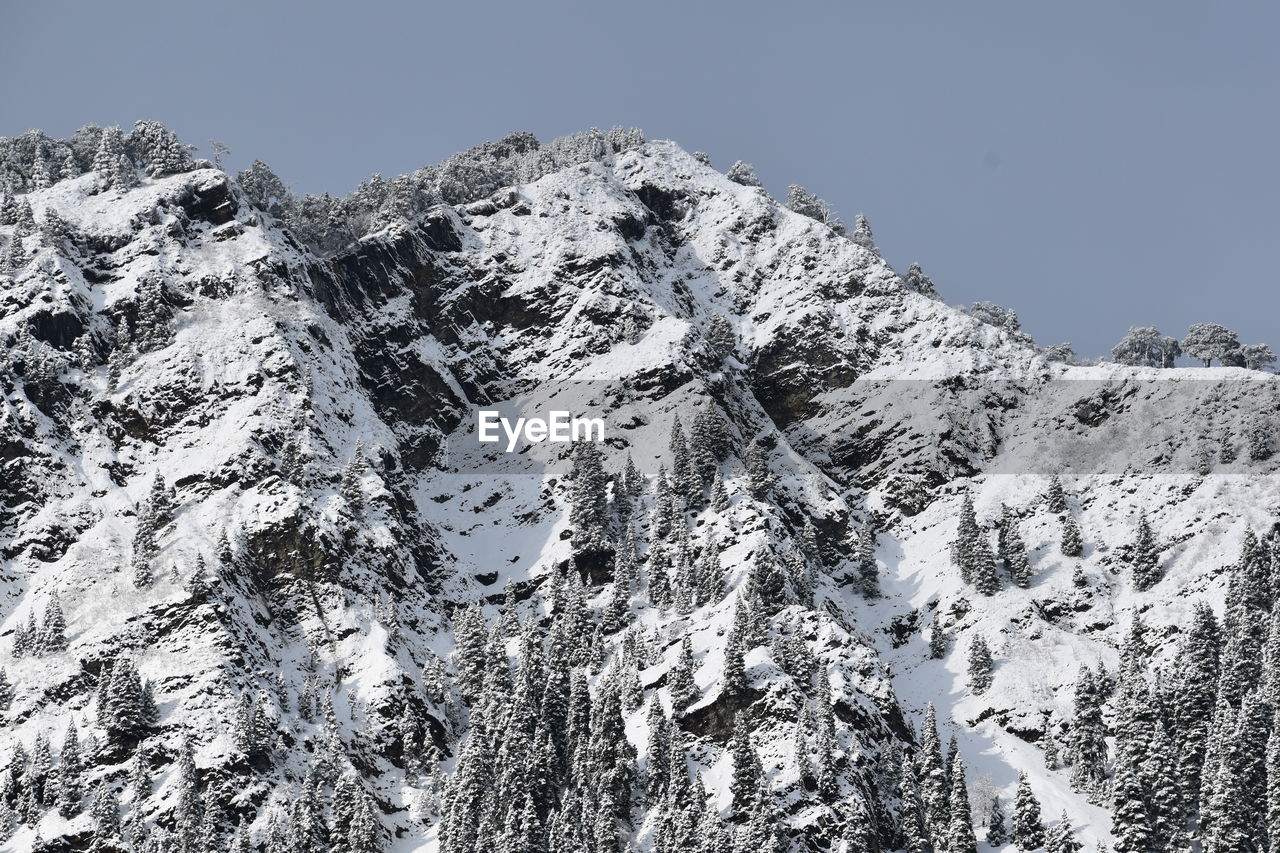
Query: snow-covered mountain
<point x="263" y="590"/>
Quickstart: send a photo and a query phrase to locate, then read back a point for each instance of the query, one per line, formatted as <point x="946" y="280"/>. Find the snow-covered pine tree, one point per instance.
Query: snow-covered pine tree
<point x="719" y="497"/>
<point x="997" y="826"/>
<point x="705" y="439"/>
<point x="935" y="790"/>
<point x="1055" y="498"/>
<point x="733" y="679"/>
<point x="188" y="810"/>
<point x="25" y="222"/>
<point x="911" y="822"/>
<point x="748" y="775"/>
<point x="70" y="773"/>
<point x="1016" y="561"/>
<point x="683" y="687"/>
<point x="963" y="546"/>
<point x="985" y="579"/>
<point x="1168" y="815"/>
<point x="6" y="690"/>
<point x="767" y="581"/>
<point x="15" y="257"/>
<point x="1130" y="821"/>
<point x="53" y="630"/>
<point x="104" y="811"/>
<point x="1071" y="544"/>
<point x="686" y="482"/>
<point x="364" y="833"/>
<point x="859" y="832"/>
<point x="916" y="280"/>
<point x="1197" y="668"/>
<point x="980" y="664"/>
<point x="1062" y="837"/>
<point x="1144" y="557"/>
<point x="1086" y="743"/>
<point x="960" y="836"/>
<point x="865" y="559"/>
<point x="862" y="234"/>
<point x="827" y="744"/>
<point x="710" y="573"/>
<point x="743" y="173"/>
<point x="759" y="478"/>
<point x="1028" y="830"/>
<point x="807" y="204"/>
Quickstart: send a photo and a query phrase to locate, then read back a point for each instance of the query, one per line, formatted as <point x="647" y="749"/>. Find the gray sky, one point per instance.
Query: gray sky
<point x="1091" y="165"/>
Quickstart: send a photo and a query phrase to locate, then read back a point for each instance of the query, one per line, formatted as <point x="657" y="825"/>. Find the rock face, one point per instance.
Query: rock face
<point x="307" y="422"/>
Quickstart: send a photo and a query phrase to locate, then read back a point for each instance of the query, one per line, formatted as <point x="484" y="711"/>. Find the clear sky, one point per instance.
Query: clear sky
<point x="1091" y="165"/>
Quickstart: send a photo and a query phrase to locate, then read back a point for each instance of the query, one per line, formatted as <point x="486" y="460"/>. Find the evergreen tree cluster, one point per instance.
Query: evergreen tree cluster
<point x="330" y="224"/>
<point x="154" y="514"/>
<point x="1194" y="756"/>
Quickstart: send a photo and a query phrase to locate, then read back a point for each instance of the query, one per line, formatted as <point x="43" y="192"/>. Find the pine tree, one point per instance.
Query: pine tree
<point x="140" y="777"/>
<point x="104" y="810"/>
<point x="1130" y="823"/>
<point x="364" y="835"/>
<point x="1144" y="557"/>
<point x="1016" y="561"/>
<point x="1197" y="669"/>
<point x="107" y="161"/>
<point x="1160" y="771"/>
<point x="934" y="787"/>
<point x="1055" y="499"/>
<point x="859" y="833"/>
<point x="25" y="222"/>
<point x="767" y="581"/>
<point x="710" y="573"/>
<point x="71" y="770"/>
<point x="911" y="809"/>
<point x="189" y="810"/>
<point x="6" y="690"/>
<point x="865" y="557"/>
<point x="53" y="631"/>
<point x="38" y="773"/>
<point x="960" y="837"/>
<point x="1087" y="745"/>
<point x="352" y="486"/>
<point x="719" y="497"/>
<point x="686" y="480"/>
<point x="16" y="256"/>
<point x="1062" y="838"/>
<point x="54" y="229"/>
<point x="967" y="535"/>
<point x="1028" y="831"/>
<point x="980" y="664"/>
<point x="759" y="478"/>
<point x="1071" y="544"/>
<point x="997" y="829"/>
<point x="40" y="179"/>
<point x="828" y="745"/>
<point x="862" y="234"/>
<point x="985" y="579"/>
<point x="747" y="772"/>
<point x="734" y="681"/>
<point x="684" y="689"/>
<point x="70" y="168"/>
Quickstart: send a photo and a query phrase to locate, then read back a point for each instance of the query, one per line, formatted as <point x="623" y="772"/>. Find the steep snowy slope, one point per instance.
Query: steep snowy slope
<point x="250" y="473"/>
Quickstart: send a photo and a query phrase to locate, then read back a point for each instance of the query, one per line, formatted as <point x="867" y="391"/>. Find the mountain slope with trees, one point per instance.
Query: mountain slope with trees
<point x="854" y="569"/>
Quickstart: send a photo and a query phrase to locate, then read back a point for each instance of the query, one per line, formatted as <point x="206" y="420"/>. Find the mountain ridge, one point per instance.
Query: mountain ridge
<point x="182" y="348"/>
